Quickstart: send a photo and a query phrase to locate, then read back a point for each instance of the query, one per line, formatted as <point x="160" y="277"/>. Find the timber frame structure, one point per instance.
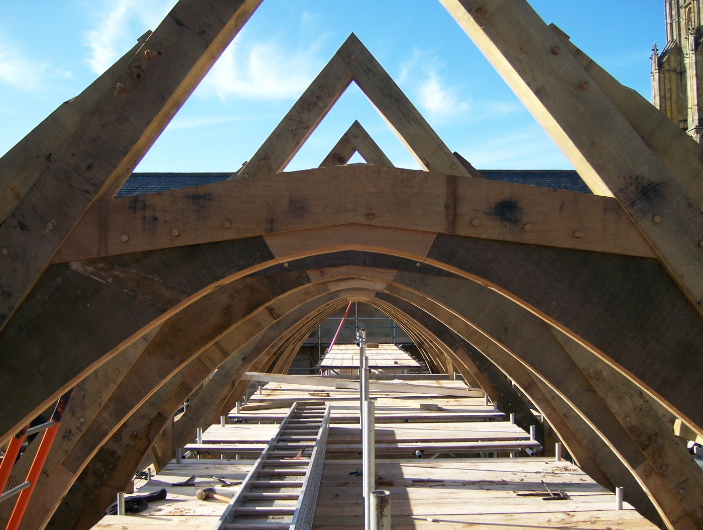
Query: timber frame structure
<point x="592" y="305"/>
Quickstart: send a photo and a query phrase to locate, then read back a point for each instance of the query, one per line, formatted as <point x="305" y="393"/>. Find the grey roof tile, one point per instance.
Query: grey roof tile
<point x="143" y="183"/>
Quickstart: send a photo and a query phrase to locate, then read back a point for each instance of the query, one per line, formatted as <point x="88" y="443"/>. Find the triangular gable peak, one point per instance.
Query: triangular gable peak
<point x="356" y="140"/>
<point x="353" y="62"/>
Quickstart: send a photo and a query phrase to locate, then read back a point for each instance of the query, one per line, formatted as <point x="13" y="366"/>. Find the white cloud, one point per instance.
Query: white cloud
<point x="421" y="76"/>
<point x="407" y="66"/>
<point x="264" y="70"/>
<point x="120" y="23"/>
<point x="438" y="100"/>
<point x="16" y="69"/>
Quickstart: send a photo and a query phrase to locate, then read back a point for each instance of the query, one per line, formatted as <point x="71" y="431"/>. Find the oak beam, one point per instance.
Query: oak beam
<point x="679" y="152"/>
<point x="589" y="129"/>
<point x="71" y="507"/>
<point x="74" y="303"/>
<point x="22" y="165"/>
<point x="373" y="196"/>
<point x="120" y="128"/>
<point x="591" y="452"/>
<point x="528" y="338"/>
<point x="88" y="398"/>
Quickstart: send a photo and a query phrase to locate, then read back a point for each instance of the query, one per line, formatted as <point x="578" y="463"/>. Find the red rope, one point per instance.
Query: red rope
<point x="340" y="327"/>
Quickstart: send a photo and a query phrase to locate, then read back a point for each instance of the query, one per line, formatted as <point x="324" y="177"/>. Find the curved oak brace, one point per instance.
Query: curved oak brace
<point x="88" y="398"/>
<point x="359" y="284"/>
<point x="206" y="410"/>
<point x="613" y="463"/>
<point x="627" y="311"/>
<point x="80" y="308"/>
<point x="586" y="445"/>
<point x="617" y="289"/>
<point x="208" y="360"/>
<point x="136" y="422"/>
<point x="453" y="362"/>
<point x="296" y="341"/>
<point x="131" y="455"/>
<point x="509" y="248"/>
<point x="425" y="342"/>
<point x="176" y="346"/>
<point x="494" y="383"/>
<point x="659" y="470"/>
<point x="119" y="280"/>
<point x="566" y="421"/>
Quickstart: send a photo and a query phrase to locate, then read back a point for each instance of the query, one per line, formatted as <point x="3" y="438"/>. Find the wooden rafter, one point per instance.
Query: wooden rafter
<point x="22" y="165"/>
<point x="678" y="151"/>
<point x="590" y="130"/>
<point x="356" y="140"/>
<point x="352" y="62"/>
<point x="557" y="290"/>
<point x="120" y="128"/>
<point x="454" y="289"/>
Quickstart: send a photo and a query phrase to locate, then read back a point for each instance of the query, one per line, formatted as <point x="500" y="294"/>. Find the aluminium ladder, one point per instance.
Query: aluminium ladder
<point x="280" y="492"/>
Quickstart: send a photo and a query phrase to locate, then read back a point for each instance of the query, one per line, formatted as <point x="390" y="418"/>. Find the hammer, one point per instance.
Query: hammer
<point x="209" y="493"/>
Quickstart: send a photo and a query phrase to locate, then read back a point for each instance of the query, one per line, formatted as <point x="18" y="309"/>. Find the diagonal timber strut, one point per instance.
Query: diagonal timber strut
<point x="356" y="140"/>
<point x="353" y="62"/>
<point x="114" y="136"/>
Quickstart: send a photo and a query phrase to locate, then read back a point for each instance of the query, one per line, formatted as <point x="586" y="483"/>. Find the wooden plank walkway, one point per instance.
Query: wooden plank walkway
<point x="473" y="493"/>
<point x="435" y="491"/>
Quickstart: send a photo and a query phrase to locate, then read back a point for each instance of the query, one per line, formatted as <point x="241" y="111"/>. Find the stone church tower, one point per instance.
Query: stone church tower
<point x="677" y="73"/>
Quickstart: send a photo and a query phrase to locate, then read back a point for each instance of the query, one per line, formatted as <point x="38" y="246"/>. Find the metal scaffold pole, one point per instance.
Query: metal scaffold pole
<point x="369" y="464"/>
<point x="363" y="379"/>
<point x="368" y="429"/>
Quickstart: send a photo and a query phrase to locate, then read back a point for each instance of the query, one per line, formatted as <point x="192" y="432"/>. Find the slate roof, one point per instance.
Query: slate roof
<point x="142" y="183"/>
<point x="567" y="180"/>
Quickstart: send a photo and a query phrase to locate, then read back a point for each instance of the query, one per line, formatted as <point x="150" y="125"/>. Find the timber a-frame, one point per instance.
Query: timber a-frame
<point x="590" y="304"/>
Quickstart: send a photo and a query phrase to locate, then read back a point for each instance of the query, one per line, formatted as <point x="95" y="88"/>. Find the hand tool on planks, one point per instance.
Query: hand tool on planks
<point x="555" y="496"/>
<point x="547" y="495"/>
<point x="209" y="493"/>
<point x="226" y="482"/>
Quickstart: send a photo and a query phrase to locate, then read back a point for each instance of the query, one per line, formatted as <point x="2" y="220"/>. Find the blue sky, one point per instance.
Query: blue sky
<point x="50" y="51"/>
